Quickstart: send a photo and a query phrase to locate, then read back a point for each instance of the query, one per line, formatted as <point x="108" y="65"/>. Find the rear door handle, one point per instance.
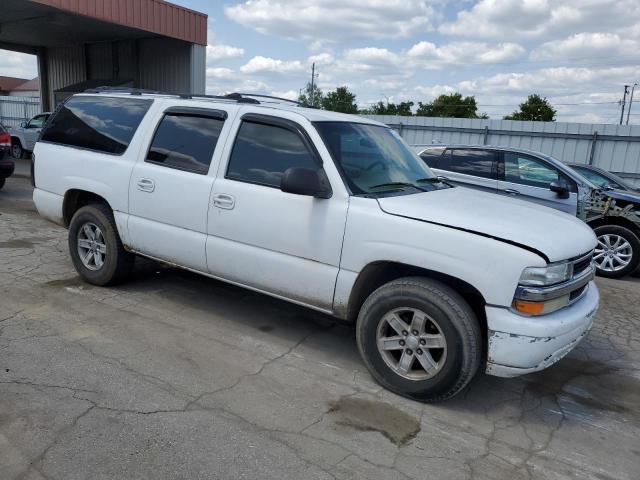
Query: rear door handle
<point x="511" y="191"/>
<point x="146" y="185"/>
<point x="222" y="200"/>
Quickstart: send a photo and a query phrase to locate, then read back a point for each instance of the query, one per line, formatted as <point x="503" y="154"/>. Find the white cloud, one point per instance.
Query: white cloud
<point x="541" y="18"/>
<point x="219" y="52"/>
<point x="220" y="72"/>
<point x="334" y="20"/>
<point x="464" y="53"/>
<point x="260" y="64"/>
<point x="290" y="94"/>
<point x="586" y="46"/>
<point x="21" y="65"/>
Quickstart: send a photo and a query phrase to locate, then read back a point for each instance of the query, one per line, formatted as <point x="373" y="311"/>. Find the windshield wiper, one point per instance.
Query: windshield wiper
<point x="398" y="185"/>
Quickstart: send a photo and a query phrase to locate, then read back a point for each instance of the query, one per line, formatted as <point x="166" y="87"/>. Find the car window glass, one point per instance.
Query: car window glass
<point x="38" y="122"/>
<point x="185" y="142"/>
<point x="598" y="179"/>
<point x="526" y="170"/>
<point x="432" y="156"/>
<point x="103" y="124"/>
<point x="262" y="153"/>
<point x="479" y="163"/>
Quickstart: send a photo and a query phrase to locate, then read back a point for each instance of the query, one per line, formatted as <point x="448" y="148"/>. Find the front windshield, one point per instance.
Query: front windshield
<point x="374" y="159"/>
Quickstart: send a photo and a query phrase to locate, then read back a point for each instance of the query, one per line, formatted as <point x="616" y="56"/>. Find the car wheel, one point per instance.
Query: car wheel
<point x="419" y="339"/>
<point x="618" y="251"/>
<point x="95" y="246"/>
<point x="17" y="151"/>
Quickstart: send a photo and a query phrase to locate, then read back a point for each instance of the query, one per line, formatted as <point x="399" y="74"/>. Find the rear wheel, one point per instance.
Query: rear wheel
<point x="95" y="247"/>
<point x="17" y="151"/>
<point x="420" y="339"/>
<point x="618" y="251"/>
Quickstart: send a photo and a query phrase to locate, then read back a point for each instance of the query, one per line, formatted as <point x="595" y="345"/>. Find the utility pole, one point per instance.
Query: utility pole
<point x="313" y="79"/>
<point x="623" y="102"/>
<point x="631" y="101"/>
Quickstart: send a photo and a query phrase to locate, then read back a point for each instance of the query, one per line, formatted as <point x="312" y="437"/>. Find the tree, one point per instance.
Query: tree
<point x="535" y="109"/>
<point x="311" y="99"/>
<point x="403" y="109"/>
<point x="453" y="105"/>
<point x="340" y="100"/>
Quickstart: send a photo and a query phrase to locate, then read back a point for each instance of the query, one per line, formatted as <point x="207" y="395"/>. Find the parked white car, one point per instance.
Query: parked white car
<point x="330" y="211"/>
<point x="25" y="136"/>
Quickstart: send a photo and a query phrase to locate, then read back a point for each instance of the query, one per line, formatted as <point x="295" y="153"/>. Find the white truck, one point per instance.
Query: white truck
<point x="330" y="211"/>
<point x="25" y="136"/>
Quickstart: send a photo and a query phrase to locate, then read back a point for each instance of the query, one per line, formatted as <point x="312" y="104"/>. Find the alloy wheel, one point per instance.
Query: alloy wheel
<point x="613" y="253"/>
<point x="92" y="247"/>
<point x="411" y="343"/>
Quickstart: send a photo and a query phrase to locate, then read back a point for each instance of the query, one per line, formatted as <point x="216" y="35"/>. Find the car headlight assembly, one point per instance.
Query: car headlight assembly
<point x="546" y="276"/>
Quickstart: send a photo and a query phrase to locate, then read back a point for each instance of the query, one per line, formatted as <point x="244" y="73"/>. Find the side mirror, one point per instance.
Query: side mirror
<point x="305" y="181"/>
<point x="23" y="124"/>
<point x="561" y="187"/>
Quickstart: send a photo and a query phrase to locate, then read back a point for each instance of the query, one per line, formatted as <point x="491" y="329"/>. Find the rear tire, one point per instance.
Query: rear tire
<point x="17" y="151"/>
<point x="618" y="251"/>
<point x="95" y="247"/>
<point x="442" y="352"/>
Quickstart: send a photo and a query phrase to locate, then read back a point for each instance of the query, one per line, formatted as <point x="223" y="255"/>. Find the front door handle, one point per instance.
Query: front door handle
<point x="222" y="200"/>
<point x="146" y="185"/>
<point x="511" y="191"/>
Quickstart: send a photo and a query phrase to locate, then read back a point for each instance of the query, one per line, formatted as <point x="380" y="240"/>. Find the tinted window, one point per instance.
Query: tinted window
<point x="185" y="142"/>
<point x="98" y="123"/>
<point x="526" y="170"/>
<point x="262" y="153"/>
<point x="431" y="157"/>
<point x="38" y="121"/>
<point x="479" y="163"/>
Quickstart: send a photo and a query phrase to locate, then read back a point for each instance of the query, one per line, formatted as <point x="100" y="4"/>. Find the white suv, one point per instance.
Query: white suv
<point x="330" y="211"/>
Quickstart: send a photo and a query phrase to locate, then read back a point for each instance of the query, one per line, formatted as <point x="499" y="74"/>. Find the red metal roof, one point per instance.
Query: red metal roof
<point x="7" y="84"/>
<point x="156" y="16"/>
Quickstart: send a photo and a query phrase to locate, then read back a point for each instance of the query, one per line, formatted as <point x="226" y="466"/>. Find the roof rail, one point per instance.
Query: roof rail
<point x="237" y="97"/>
<point x="269" y="97"/>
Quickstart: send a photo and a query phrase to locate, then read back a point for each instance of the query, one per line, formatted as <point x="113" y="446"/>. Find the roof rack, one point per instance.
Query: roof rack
<point x="237" y="97"/>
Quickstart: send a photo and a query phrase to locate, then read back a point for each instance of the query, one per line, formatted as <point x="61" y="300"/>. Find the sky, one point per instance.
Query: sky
<point x="577" y="53"/>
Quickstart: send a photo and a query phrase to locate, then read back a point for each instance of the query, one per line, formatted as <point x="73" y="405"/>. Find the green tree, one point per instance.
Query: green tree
<point x="403" y="109"/>
<point x="340" y="100"/>
<point x="536" y="109"/>
<point x="310" y="98"/>
<point x="453" y="105"/>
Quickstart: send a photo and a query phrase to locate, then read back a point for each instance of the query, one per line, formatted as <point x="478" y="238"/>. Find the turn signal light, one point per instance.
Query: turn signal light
<point x="529" y="308"/>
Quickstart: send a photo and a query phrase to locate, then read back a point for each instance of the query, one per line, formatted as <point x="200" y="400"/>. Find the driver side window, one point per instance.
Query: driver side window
<point x="526" y="170"/>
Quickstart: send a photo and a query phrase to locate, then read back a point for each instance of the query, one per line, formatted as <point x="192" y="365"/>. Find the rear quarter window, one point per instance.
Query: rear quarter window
<point x="102" y="124"/>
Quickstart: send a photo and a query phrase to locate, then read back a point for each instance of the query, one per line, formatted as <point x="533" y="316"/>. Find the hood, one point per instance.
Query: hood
<point x="554" y="234"/>
<point x="624" y="195"/>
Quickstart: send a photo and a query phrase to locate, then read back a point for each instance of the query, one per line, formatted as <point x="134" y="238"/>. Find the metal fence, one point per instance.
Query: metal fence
<point x="615" y="148"/>
<point x="14" y="110"/>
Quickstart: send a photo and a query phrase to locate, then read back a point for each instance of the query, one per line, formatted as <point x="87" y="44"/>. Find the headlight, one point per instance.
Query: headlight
<point x="545" y="276"/>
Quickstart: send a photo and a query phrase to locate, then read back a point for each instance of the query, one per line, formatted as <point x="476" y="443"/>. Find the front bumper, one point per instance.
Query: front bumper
<point x="520" y="345"/>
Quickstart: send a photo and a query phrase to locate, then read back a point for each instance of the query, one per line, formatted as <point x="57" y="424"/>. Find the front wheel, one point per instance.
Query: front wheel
<point x="419" y="339"/>
<point x="17" y="151"/>
<point x="618" y="251"/>
<point x="95" y="246"/>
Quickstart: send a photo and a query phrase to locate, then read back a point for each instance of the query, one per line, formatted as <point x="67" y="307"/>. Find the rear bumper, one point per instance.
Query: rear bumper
<point x="520" y="345"/>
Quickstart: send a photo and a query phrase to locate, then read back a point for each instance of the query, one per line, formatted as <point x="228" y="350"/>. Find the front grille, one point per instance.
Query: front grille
<point x="576" y="293"/>
<point x="582" y="263"/>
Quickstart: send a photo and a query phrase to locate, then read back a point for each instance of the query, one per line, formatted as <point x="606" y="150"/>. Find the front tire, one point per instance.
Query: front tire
<point x="95" y="247"/>
<point x="17" y="151"/>
<point x="618" y="251"/>
<point x="419" y="339"/>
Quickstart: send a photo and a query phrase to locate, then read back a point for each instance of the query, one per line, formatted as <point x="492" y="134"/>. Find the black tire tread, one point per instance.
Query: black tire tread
<point x="471" y="336"/>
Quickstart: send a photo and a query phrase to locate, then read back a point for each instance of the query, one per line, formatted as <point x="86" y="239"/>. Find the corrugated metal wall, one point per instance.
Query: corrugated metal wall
<point x="66" y="66"/>
<point x="14" y="110"/>
<point x="615" y="148"/>
<point x="164" y="64"/>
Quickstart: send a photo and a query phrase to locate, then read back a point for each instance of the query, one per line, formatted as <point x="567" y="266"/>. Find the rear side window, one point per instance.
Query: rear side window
<point x="479" y="163"/>
<point x="526" y="170"/>
<point x="432" y="156"/>
<point x="103" y="124"/>
<point x="185" y="142"/>
<point x="263" y="152"/>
